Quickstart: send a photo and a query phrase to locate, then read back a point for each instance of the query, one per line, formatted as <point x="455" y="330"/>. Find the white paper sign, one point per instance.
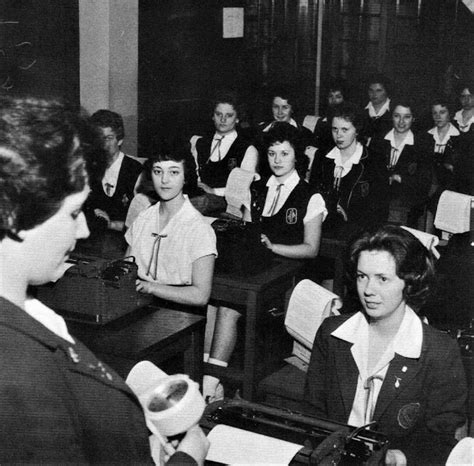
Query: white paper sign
<point x="232" y="23"/>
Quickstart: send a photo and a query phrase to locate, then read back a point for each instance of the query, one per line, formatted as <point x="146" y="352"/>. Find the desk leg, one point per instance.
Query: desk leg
<point x="253" y="307"/>
<point x="192" y="356"/>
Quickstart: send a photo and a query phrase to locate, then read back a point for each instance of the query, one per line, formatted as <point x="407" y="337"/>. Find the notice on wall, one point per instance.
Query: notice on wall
<point x="232" y="23"/>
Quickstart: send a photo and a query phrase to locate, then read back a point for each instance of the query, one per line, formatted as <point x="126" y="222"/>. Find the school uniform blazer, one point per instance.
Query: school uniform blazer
<point x="419" y="414"/>
<point x="413" y="166"/>
<point x="117" y="205"/>
<point x="59" y="403"/>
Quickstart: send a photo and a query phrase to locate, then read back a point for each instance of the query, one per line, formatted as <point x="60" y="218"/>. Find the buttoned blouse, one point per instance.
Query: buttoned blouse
<point x="407" y="342"/>
<point x="440" y="144"/>
<point x="383" y="109"/>
<point x="335" y="154"/>
<point x="316" y="204"/>
<point x="409" y="140"/>
<point x="463" y="127"/>
<point x="186" y="238"/>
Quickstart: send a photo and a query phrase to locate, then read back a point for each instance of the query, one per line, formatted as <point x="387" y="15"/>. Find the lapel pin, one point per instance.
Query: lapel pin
<point x="397" y="382"/>
<point x="73" y="355"/>
<point x="404" y="368"/>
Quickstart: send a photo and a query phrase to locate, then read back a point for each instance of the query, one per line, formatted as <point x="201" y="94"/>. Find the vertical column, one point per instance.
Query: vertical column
<point x="108" y="35"/>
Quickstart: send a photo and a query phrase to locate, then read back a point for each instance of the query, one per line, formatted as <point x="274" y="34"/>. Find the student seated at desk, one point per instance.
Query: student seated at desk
<point x="174" y="247"/>
<point x="111" y="196"/>
<point x="291" y="219"/>
<point x="219" y="153"/>
<point x="59" y="403"/>
<point x="383" y="364"/>
<point x="351" y="183"/>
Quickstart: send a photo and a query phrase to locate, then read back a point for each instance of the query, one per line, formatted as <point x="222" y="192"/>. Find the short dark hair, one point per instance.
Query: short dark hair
<point x="464" y="84"/>
<point x="403" y="102"/>
<point x="227" y="97"/>
<point x="337" y="84"/>
<point x="444" y="101"/>
<point x="281" y="132"/>
<point x="350" y="112"/>
<point x="378" y="78"/>
<point x="108" y="119"/>
<point x="47" y="150"/>
<point x="287" y="93"/>
<point x="162" y="150"/>
<point x="414" y="263"/>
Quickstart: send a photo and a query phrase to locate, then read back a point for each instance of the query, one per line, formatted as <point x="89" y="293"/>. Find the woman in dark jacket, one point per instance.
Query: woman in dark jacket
<point x="60" y="404"/>
<point x="383" y="366"/>
<point x="405" y="165"/>
<point x="350" y="182"/>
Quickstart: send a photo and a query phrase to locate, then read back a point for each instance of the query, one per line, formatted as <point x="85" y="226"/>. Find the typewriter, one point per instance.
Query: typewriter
<point x="95" y="290"/>
<point x="354" y="445"/>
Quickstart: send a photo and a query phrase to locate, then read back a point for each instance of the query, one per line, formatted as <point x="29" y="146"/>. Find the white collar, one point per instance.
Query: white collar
<point x="452" y="131"/>
<point x="232" y="136"/>
<point x="335" y="154"/>
<point x="408" y="141"/>
<point x="407" y="341"/>
<point x="289" y="183"/>
<point x="112" y="172"/>
<point x="269" y="126"/>
<point x="46" y="316"/>
<point x="373" y="113"/>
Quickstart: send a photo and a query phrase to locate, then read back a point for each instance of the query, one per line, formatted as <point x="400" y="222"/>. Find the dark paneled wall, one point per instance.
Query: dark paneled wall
<point x="39" y="48"/>
<point x="422" y="45"/>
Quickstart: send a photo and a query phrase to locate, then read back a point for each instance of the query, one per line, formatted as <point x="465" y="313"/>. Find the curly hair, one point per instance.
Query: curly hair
<point x="443" y="101"/>
<point x="414" y="263"/>
<point x="281" y="132"/>
<point x="47" y="151"/>
<point x="227" y="97"/>
<point x="108" y="119"/>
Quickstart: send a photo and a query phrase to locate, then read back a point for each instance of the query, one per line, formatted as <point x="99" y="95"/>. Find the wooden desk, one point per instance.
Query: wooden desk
<point x="155" y="334"/>
<point x="251" y="293"/>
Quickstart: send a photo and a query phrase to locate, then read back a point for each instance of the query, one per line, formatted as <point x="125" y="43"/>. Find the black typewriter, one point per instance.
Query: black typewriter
<point x="356" y="446"/>
<point x="95" y="290"/>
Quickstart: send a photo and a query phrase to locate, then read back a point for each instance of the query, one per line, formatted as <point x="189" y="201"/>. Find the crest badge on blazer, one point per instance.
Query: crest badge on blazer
<point x="408" y="415"/>
<point x="291" y="216"/>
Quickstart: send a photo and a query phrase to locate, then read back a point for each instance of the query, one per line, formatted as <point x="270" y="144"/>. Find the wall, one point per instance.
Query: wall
<point x="109" y="61"/>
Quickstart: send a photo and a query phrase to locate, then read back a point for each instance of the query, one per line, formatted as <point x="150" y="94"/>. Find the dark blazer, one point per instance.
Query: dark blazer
<point x="413" y="166"/>
<point x="59" y="403"/>
<point x="117" y="205"/>
<point x="361" y="194"/>
<point x="420" y="416"/>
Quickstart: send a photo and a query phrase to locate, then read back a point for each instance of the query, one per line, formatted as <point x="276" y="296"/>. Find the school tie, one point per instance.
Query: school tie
<point x="370" y="400"/>
<point x="439" y="148"/>
<point x="393" y="157"/>
<point x="217" y="147"/>
<point x="154" y="254"/>
<point x="337" y="176"/>
<point x="275" y="200"/>
<point x="108" y="189"/>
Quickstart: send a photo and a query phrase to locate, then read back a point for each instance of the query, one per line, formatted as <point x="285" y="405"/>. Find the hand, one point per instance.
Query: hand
<point x="102" y="214"/>
<point x="195" y="444"/>
<point x="396" y="178"/>
<point x="395" y="458"/>
<point x="266" y="242"/>
<point x="205" y="187"/>
<point x="143" y="286"/>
